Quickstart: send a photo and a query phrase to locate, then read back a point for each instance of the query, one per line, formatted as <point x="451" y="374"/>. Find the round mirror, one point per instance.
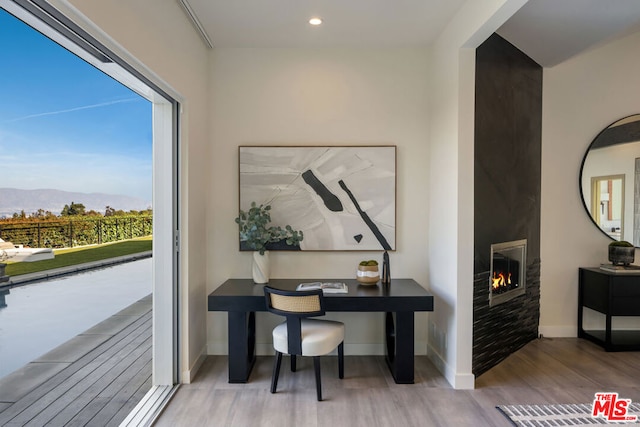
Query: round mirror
<point x="610" y="180"/>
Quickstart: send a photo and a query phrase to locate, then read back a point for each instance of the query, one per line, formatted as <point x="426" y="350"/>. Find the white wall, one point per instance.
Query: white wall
<point x="450" y="254"/>
<point x="315" y="97"/>
<point x="161" y="43"/>
<point x="334" y="96"/>
<point x="581" y="97"/>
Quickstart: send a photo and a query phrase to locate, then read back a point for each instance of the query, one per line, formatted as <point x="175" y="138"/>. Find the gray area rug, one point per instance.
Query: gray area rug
<point x="561" y="415"/>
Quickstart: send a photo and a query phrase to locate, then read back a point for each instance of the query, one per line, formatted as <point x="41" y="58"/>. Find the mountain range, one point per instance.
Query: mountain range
<point x="14" y="200"/>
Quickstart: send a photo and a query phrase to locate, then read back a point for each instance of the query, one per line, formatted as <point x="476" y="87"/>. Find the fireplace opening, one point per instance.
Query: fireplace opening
<point x="507" y="276"/>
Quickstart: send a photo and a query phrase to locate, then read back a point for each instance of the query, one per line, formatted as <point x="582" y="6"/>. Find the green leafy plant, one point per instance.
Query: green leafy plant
<point x="256" y="232"/>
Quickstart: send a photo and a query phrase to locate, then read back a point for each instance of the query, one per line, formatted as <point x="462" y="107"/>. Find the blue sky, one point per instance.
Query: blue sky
<point x="66" y="125"/>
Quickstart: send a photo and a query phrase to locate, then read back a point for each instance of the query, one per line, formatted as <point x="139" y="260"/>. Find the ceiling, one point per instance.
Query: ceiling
<point x="347" y="23"/>
<point x="549" y="31"/>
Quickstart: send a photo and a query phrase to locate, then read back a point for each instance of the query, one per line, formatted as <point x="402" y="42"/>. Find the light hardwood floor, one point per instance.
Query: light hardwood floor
<point x="547" y="370"/>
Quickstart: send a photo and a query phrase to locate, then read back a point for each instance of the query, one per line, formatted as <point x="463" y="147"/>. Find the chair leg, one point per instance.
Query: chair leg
<point x="276" y="372"/>
<point x="293" y="363"/>
<point x="341" y="360"/>
<point x="316" y="366"/>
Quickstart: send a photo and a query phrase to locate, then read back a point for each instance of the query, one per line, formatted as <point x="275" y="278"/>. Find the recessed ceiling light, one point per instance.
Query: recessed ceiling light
<point x="315" y="21"/>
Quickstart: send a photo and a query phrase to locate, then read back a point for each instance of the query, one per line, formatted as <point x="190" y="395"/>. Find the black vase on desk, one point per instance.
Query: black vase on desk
<point x="386" y="274"/>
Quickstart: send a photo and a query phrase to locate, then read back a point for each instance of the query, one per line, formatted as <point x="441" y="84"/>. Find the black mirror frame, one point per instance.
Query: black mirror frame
<point x="584" y="159"/>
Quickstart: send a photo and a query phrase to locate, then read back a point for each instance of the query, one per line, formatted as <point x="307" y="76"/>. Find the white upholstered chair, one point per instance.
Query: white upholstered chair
<point x="301" y="336"/>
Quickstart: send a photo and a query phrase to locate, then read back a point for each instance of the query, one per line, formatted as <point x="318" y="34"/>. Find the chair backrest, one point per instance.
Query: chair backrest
<point x="294" y="305"/>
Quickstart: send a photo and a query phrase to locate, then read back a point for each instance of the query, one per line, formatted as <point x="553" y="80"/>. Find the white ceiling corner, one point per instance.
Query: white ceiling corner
<point x="351" y="23"/>
<point x="552" y="31"/>
<point x="549" y="31"/>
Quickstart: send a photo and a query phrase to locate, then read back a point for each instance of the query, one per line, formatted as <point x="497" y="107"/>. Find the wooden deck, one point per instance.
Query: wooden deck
<point x="94" y="379"/>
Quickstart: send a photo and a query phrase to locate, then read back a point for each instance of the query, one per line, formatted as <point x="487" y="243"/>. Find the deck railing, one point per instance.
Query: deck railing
<point x="76" y="231"/>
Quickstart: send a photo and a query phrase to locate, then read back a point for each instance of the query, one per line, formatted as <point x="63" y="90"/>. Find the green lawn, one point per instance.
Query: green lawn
<point x="73" y="256"/>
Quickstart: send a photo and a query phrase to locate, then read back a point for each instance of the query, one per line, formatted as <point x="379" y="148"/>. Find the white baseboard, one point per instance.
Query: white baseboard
<point x="464" y="381"/>
<point x="457" y="380"/>
<point x="188" y="375"/>
<point x="558" y="331"/>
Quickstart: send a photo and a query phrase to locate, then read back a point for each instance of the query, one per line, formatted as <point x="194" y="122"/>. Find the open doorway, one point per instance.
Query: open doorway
<point x="46" y="20"/>
<point x="607" y="204"/>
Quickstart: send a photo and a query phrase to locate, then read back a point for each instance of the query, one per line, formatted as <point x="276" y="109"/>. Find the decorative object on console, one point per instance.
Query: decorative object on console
<point x="341" y="197"/>
<point x="620" y="269"/>
<point x="256" y="234"/>
<point x="621" y="252"/>
<point x="368" y="272"/>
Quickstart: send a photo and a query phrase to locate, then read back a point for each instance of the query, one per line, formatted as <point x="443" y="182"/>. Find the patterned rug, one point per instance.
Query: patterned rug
<point x="561" y="415"/>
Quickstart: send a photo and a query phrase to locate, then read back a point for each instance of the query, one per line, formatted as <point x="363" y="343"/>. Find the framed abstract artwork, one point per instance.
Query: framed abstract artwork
<point x="341" y="197"/>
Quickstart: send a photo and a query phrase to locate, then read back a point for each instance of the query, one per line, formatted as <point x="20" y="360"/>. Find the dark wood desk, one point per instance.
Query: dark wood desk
<point x="241" y="298"/>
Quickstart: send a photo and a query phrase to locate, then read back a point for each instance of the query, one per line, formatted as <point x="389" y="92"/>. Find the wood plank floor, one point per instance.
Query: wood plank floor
<point x="547" y="370"/>
<point x="99" y="387"/>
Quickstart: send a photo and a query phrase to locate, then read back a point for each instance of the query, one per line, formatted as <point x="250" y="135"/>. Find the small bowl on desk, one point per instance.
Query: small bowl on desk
<point x="368" y="274"/>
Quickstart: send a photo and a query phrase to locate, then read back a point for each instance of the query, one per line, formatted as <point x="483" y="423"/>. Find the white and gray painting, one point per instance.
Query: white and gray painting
<point x="342" y="198"/>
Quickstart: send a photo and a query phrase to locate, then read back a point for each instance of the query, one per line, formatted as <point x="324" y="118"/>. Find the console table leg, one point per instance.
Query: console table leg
<point x="242" y="343"/>
<point x="608" y="344"/>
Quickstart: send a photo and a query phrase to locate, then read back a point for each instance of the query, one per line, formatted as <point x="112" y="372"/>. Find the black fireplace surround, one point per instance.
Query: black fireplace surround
<point x="507" y="179"/>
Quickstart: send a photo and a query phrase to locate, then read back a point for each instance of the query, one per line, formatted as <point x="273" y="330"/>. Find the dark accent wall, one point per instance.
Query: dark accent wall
<point x="508" y="128"/>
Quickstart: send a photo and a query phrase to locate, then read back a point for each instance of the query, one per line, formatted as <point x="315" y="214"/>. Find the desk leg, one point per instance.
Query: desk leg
<point x="242" y="345"/>
<point x="399" y="331"/>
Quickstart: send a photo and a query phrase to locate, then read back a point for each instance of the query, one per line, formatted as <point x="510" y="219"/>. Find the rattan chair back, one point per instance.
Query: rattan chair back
<point x="295" y="303"/>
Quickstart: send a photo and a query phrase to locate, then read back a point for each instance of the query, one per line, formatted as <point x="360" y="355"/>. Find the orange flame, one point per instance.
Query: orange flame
<point x="499" y="280"/>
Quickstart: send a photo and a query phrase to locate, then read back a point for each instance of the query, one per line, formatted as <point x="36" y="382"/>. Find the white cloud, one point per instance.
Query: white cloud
<point x="69" y="110"/>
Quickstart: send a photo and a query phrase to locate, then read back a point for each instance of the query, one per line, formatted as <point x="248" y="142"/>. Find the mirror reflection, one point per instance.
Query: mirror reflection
<point x="607" y="204"/>
<point x="610" y="180"/>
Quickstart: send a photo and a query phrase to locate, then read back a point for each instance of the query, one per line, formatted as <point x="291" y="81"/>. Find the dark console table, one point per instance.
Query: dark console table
<point x="613" y="294"/>
<point x="241" y="298"/>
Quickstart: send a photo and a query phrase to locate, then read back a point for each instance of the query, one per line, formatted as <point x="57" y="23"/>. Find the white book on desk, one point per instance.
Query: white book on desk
<point x="327" y="287"/>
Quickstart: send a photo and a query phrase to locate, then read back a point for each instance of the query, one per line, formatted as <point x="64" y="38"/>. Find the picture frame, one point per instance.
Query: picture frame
<point x="343" y="198"/>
